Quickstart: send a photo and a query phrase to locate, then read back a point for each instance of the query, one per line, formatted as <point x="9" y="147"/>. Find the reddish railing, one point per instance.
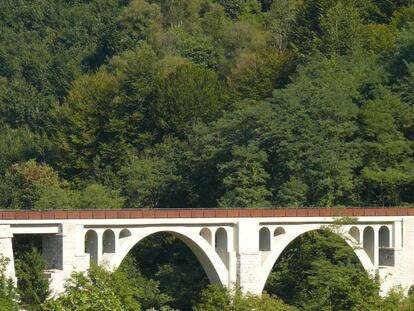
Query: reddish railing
<point x="202" y="213"/>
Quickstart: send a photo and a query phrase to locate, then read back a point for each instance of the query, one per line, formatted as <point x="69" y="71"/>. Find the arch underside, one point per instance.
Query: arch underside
<point x="208" y="258"/>
<point x="289" y="237"/>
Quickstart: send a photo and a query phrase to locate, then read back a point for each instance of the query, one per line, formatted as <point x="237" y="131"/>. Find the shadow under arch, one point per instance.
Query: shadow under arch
<point x="207" y="257"/>
<point x="292" y="235"/>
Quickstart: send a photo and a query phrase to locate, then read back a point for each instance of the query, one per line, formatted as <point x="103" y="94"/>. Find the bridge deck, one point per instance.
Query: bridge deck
<point x="202" y="213"/>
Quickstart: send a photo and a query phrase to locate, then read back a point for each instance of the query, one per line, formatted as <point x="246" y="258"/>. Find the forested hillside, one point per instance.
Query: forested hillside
<point x="203" y="103"/>
<point x="206" y="103"/>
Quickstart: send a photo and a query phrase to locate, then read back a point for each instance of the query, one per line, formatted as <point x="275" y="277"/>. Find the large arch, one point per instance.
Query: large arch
<point x="290" y="235"/>
<point x="212" y="264"/>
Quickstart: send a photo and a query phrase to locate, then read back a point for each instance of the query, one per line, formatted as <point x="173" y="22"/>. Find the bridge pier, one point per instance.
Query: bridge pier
<point x="248" y="272"/>
<point x="6" y="251"/>
<point x="64" y="255"/>
<point x="401" y="273"/>
<point x="248" y="256"/>
<point x="52" y="250"/>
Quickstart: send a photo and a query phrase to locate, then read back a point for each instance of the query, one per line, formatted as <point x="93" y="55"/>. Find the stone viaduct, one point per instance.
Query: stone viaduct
<point x="232" y="245"/>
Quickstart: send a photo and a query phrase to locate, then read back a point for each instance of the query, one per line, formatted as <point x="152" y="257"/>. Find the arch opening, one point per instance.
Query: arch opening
<point x="384" y="237"/>
<point x="279" y="231"/>
<point x="386" y="256"/>
<point x="175" y="261"/>
<point x="91" y="246"/>
<point x="313" y="259"/>
<point x="108" y="241"/>
<point x="206" y="234"/>
<point x="264" y="240"/>
<point x="125" y="233"/>
<point x="354" y="232"/>
<point x="368" y="242"/>
<point x="221" y="240"/>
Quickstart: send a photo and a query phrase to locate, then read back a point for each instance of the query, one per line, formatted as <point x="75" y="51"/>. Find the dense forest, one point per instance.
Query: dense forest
<point x="207" y="103"/>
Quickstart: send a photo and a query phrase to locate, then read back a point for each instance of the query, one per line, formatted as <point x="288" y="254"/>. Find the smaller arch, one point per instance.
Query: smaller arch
<point x="221" y="240"/>
<point x="384" y="237"/>
<point x="264" y="239"/>
<point x="368" y="242"/>
<point x="206" y="234"/>
<point x="124" y="233"/>
<point x="91" y="245"/>
<point x="279" y="231"/>
<point x="108" y="241"/>
<point x="354" y="232"/>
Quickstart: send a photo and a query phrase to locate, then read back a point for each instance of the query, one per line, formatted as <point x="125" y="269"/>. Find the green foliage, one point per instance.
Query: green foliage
<point x="44" y="46"/>
<point x="57" y="198"/>
<point x="333" y="25"/>
<point x="255" y="75"/>
<point x="215" y="297"/>
<point x="22" y="105"/>
<point x="108" y="114"/>
<point x="238" y="38"/>
<point x="341" y="28"/>
<point x="319" y="271"/>
<point x="23" y="183"/>
<point x="124" y="289"/>
<point x="155" y="178"/>
<point x="188" y="95"/>
<point x="221" y="158"/>
<point x="406" y="85"/>
<point x="92" y="298"/>
<point x="150" y="182"/>
<point x="198" y="48"/>
<point x="402" y="53"/>
<point x="281" y="20"/>
<point x="91" y="96"/>
<point x="94" y="196"/>
<point x="8" y="295"/>
<point x="19" y="145"/>
<point x="245" y="178"/>
<point x="178" y="13"/>
<point x="133" y="287"/>
<point x="313" y="142"/>
<point x="397" y="299"/>
<point x="33" y="185"/>
<point x="138" y="21"/>
<point x="32" y="284"/>
<point x="403" y="17"/>
<point x="237" y="8"/>
<point x="171" y="263"/>
<point x="388" y="151"/>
